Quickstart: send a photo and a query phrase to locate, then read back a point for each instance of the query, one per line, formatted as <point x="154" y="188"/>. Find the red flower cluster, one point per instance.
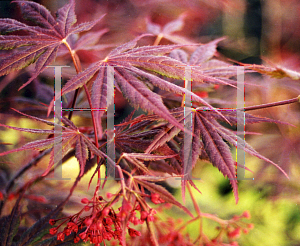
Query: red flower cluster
<point x="155" y="198"/>
<point x="102" y="224"/>
<point x="234" y="228"/>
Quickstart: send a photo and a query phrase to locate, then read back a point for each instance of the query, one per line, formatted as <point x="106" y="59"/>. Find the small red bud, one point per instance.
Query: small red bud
<point x="236" y="217"/>
<point x="108" y="195"/>
<point x="88" y="221"/>
<point x="235" y="233"/>
<point x="144" y="215"/>
<point x="82" y="235"/>
<point x="11" y="196"/>
<point x="52" y="222"/>
<point x="246" y="214"/>
<point x="53" y="231"/>
<point x="61" y="236"/>
<point x="70" y="224"/>
<point x="68" y="231"/>
<point x="105" y="212"/>
<point x="245" y="231"/>
<point x="250" y="226"/>
<point x="155" y="198"/>
<point x="85" y="200"/>
<point x="133" y="232"/>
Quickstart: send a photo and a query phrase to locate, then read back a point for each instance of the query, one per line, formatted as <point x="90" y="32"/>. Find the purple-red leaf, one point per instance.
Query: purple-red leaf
<point x="82" y="27"/>
<point x="66" y="18"/>
<point x="99" y="95"/>
<point x="233" y="117"/>
<point x="39" y="43"/>
<point x="204" y="52"/>
<point x="168" y="30"/>
<point x="37" y="145"/>
<point x="38" y="14"/>
<point x="140" y="96"/>
<point x="89" y="40"/>
<point x="125" y="59"/>
<point x="81" y="153"/>
<point x="148" y="157"/>
<point x="218" y="151"/>
<point x="39" y="131"/>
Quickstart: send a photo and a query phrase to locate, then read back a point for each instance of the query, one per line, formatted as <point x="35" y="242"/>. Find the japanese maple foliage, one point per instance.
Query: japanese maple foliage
<point x="149" y="148"/>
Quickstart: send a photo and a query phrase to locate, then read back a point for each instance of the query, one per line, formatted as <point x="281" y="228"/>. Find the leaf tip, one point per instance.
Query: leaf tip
<point x="50" y="108"/>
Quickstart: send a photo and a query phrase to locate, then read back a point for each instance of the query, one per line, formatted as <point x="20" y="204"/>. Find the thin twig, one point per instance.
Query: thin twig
<point x="274" y="104"/>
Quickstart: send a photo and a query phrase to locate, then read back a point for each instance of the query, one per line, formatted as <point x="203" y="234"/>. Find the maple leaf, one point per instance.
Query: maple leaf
<point x="129" y="65"/>
<point x="202" y="60"/>
<point x="168" y="30"/>
<point x="217" y="150"/>
<point x="209" y="140"/>
<point x="70" y="137"/>
<point x="38" y="43"/>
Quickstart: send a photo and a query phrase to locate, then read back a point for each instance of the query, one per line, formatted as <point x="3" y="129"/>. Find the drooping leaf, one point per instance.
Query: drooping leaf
<point x="232" y="138"/>
<point x="190" y="148"/>
<point x="81" y="153"/>
<point x="209" y="141"/>
<point x="218" y="151"/>
<point x="39" y="131"/>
